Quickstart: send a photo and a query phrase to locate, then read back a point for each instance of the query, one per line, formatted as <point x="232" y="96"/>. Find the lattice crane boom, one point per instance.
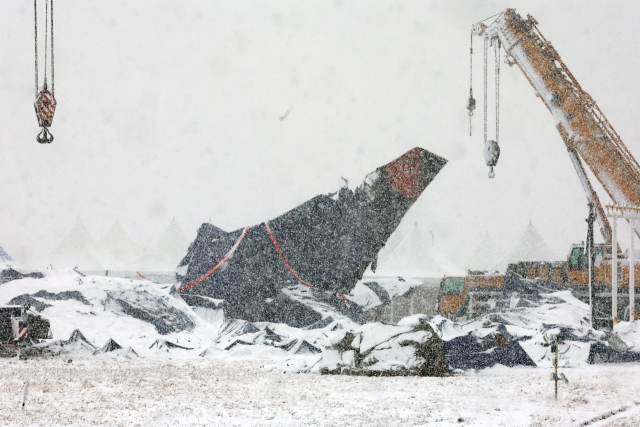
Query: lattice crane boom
<point x="583" y="127"/>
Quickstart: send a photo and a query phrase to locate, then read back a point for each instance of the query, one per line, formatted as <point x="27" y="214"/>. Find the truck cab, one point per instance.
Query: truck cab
<point x="578" y="263"/>
<point x="469" y="296"/>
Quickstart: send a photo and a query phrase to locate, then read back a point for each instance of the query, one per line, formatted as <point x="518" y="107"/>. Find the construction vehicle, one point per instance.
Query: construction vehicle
<point x="463" y="298"/>
<point x="466" y="297"/>
<point x="589" y="138"/>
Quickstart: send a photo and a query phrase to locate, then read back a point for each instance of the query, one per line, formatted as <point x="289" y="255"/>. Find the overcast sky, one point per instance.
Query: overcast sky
<point x="173" y="109"/>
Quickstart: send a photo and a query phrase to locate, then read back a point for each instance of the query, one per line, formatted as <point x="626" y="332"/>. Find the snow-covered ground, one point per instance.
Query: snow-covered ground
<point x="246" y="374"/>
<point x="147" y="392"/>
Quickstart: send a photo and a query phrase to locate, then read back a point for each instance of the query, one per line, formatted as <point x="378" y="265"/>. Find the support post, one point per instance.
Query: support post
<point x="590" y="255"/>
<point x="614" y="268"/>
<point x="632" y="214"/>
<point x="555" y="364"/>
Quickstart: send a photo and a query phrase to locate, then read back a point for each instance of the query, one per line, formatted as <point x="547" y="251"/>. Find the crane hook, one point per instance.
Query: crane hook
<point x="491" y="153"/>
<point x="45" y="137"/>
<point x="471" y="105"/>
<point x="45" y="105"/>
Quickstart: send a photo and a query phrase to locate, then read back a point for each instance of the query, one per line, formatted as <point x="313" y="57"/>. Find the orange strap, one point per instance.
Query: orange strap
<point x="275" y="244"/>
<point x="141" y="275"/>
<point x="346" y="301"/>
<point x="218" y="265"/>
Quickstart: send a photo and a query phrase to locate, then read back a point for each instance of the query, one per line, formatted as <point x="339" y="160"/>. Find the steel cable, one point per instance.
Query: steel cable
<point x="485" y="90"/>
<point x="35" y="21"/>
<point x="470" y="82"/>
<point x="497" y="56"/>
<point x="46" y="33"/>
<point x="53" y="92"/>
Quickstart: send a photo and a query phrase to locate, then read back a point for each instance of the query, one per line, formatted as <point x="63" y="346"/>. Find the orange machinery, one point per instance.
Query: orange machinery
<point x="472" y="295"/>
<point x="468" y="296"/>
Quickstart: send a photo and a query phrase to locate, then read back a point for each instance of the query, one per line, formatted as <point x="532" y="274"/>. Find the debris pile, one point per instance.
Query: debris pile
<point x="9" y="274"/>
<point x="118" y="315"/>
<point x="375" y="349"/>
<point x="127" y="311"/>
<point x="76" y="345"/>
<point x="525" y="319"/>
<point x="237" y="333"/>
<point x="325" y="245"/>
<point x="150" y="308"/>
<point x="475" y="351"/>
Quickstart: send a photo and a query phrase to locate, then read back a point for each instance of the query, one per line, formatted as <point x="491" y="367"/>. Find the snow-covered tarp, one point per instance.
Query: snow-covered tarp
<point x="96" y="316"/>
<point x="530" y="314"/>
<point x="326" y="244"/>
<point x="369" y="293"/>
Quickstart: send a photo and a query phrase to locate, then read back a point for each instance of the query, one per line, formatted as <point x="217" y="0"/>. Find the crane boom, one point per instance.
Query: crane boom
<point x="584" y="129"/>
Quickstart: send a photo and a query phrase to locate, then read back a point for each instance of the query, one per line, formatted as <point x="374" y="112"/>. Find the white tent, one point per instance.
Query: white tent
<point x="415" y="256"/>
<point x="4" y="257"/>
<point x="166" y="253"/>
<point x="487" y="255"/>
<point x="119" y="245"/>
<point x="79" y="249"/>
<point x="530" y="247"/>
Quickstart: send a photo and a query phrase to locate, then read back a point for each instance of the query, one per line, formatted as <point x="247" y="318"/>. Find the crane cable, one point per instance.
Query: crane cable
<point x="485" y="90"/>
<point x="486" y="19"/>
<point x="35" y="22"/>
<point x="53" y="89"/>
<point x="46" y="45"/>
<point x="472" y="102"/>
<point x="471" y="70"/>
<point x="46" y="35"/>
<point x="496" y="49"/>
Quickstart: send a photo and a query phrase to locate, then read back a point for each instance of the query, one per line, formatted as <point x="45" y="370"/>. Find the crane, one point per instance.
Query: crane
<point x="589" y="138"/>
<point x="586" y="132"/>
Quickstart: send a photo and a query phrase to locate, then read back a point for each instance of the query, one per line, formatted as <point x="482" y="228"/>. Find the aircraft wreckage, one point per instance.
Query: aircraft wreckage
<point x="321" y="248"/>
